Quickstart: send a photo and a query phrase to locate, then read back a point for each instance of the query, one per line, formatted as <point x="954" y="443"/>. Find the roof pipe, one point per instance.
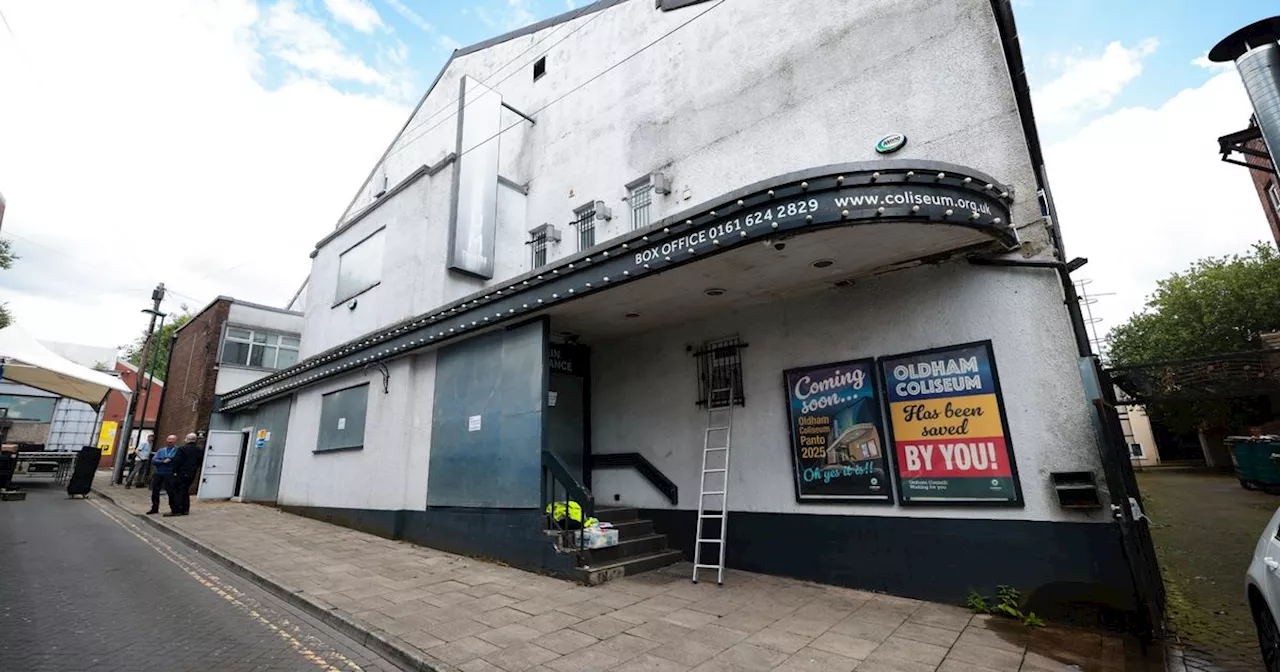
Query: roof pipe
<point x="1070" y="297"/>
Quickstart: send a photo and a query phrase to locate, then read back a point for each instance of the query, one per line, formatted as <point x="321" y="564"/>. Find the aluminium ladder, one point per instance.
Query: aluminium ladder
<point x="716" y="487"/>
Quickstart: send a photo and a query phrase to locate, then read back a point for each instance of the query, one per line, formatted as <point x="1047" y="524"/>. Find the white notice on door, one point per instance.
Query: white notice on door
<point x="551" y="398"/>
<point x="342" y="423"/>
<point x="473" y="423"/>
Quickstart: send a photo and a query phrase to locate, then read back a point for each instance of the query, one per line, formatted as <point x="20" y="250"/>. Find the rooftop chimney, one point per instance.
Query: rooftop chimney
<point x="1256" y="52"/>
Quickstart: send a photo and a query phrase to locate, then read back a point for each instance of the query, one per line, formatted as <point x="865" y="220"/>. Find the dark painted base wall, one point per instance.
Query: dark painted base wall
<point x="1070" y="571"/>
<point x="513" y="536"/>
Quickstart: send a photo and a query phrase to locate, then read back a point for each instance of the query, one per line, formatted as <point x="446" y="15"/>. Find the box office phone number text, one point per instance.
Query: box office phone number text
<point x="770" y="214"/>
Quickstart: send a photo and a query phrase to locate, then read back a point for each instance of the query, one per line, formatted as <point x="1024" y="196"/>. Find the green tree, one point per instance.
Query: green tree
<point x="1219" y="305"/>
<point x="133" y="351"/>
<point x="7" y="257"/>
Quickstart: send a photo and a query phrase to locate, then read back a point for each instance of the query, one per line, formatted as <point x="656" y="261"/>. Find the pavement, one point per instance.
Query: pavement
<point x="431" y="610"/>
<point x="1205" y="527"/>
<point x="85" y="587"/>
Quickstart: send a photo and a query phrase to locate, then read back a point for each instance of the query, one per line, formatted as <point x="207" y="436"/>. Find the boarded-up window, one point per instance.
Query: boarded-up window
<point x="342" y="419"/>
<point x="360" y="267"/>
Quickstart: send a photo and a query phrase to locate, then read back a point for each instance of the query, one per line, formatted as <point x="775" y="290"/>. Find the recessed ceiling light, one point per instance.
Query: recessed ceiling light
<point x="714" y="291"/>
<point x="632" y="315"/>
<point x="822" y="263"/>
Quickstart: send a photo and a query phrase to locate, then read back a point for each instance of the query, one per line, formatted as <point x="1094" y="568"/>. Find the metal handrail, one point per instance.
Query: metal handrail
<point x="642" y="466"/>
<point x="555" y="472"/>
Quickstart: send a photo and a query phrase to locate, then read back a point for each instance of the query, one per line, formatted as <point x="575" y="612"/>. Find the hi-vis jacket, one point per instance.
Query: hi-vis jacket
<point x="571" y="510"/>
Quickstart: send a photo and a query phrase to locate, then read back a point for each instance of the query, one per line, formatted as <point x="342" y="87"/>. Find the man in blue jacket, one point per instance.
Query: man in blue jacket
<point x="162" y="461"/>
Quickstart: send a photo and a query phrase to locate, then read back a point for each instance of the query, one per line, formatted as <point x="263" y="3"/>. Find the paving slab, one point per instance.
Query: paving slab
<point x="440" y="611"/>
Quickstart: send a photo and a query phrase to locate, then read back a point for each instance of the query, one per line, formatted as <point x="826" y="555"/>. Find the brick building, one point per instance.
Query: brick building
<point x="1267" y="185"/>
<point x="226" y="345"/>
<point x="1247" y="148"/>
<point x="118" y="406"/>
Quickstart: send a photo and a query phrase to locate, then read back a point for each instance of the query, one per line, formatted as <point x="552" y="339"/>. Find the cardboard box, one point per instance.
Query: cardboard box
<point x="596" y="538"/>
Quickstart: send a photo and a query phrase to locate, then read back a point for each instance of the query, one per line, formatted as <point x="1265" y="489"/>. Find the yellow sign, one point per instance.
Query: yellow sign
<point x="107" y="437"/>
<point x="946" y="417"/>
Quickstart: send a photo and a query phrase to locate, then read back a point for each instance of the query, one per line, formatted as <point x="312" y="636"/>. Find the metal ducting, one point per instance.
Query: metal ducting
<point x="1256" y="53"/>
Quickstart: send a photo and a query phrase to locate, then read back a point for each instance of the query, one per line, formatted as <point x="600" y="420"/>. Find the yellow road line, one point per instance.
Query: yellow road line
<point x="230" y="593"/>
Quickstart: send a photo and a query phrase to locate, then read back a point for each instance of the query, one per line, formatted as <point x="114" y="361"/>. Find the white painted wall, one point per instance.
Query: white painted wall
<point x="754" y="89"/>
<point x="644" y="387"/>
<point x="1139" y="426"/>
<point x="264" y="318"/>
<point x="390" y="472"/>
<point x="413" y="267"/>
<point x="231" y="377"/>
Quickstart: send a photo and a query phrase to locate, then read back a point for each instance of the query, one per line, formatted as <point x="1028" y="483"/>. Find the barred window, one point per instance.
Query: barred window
<point x="538" y="247"/>
<point x="720" y="373"/>
<point x="641" y="197"/>
<point x="585" y="220"/>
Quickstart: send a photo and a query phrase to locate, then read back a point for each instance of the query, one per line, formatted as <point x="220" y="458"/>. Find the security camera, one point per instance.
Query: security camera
<point x="779" y="246"/>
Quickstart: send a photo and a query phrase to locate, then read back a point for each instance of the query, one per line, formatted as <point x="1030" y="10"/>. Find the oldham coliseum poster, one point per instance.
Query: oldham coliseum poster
<point x="837" y="433"/>
<point x="949" y="429"/>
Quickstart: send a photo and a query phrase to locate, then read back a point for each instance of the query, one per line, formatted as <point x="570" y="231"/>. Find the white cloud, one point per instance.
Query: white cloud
<point x="449" y="43"/>
<point x="1090" y="84"/>
<point x="411" y="16"/>
<point x="358" y="14"/>
<point x="140" y="146"/>
<point x="303" y="41"/>
<point x="1202" y="61"/>
<point x="1142" y="193"/>
<point x="514" y="15"/>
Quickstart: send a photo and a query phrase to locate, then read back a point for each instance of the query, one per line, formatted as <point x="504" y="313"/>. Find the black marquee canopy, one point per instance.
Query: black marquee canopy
<point x="889" y="192"/>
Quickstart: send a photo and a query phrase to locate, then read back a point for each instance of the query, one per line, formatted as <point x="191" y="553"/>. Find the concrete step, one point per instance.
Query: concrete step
<point x="626" y="548"/>
<point x="597" y="574"/>
<point x="617" y="514"/>
<point x="633" y="529"/>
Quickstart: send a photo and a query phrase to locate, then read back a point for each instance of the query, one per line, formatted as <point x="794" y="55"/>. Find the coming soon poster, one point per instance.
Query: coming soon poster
<point x="837" y="433"/>
<point x="949" y="428"/>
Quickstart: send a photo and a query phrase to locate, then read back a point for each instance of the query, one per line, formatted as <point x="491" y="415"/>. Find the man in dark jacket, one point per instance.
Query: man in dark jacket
<point x="186" y="464"/>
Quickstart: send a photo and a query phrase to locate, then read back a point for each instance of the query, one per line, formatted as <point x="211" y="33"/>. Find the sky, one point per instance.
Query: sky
<point x="209" y="144"/>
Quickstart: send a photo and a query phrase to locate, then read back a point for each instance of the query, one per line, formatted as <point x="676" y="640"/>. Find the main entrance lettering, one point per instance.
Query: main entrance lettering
<point x="850" y="204"/>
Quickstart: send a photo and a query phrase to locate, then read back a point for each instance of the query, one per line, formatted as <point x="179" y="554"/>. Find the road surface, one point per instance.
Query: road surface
<point x="86" y="586"/>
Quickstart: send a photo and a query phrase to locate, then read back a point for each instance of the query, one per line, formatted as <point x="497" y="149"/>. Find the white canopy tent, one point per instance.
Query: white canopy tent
<point x="28" y="362"/>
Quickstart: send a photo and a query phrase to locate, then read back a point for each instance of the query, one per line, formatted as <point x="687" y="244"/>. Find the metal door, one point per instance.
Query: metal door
<point x="565" y="428"/>
<point x="1126" y="507"/>
<point x="221" y="458"/>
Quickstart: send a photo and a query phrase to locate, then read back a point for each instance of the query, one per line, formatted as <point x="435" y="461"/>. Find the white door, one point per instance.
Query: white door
<point x="221" y="457"/>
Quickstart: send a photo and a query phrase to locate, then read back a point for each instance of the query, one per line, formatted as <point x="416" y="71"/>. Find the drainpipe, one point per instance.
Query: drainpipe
<point x="1072" y="299"/>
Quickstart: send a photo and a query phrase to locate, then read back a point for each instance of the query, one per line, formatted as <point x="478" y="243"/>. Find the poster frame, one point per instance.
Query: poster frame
<point x="883" y="380"/>
<point x="886" y="499"/>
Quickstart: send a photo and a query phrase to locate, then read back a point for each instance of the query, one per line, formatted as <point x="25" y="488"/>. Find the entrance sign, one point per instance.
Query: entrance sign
<point x="836" y="429"/>
<point x="949" y="428"/>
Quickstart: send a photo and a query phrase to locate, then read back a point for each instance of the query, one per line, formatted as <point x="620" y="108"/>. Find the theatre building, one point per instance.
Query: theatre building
<point x="599" y="239"/>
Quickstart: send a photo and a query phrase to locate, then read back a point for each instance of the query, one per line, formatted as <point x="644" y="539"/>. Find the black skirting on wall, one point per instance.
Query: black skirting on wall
<point x="1059" y="567"/>
<point x="513" y="536"/>
<point x="378" y="522"/>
